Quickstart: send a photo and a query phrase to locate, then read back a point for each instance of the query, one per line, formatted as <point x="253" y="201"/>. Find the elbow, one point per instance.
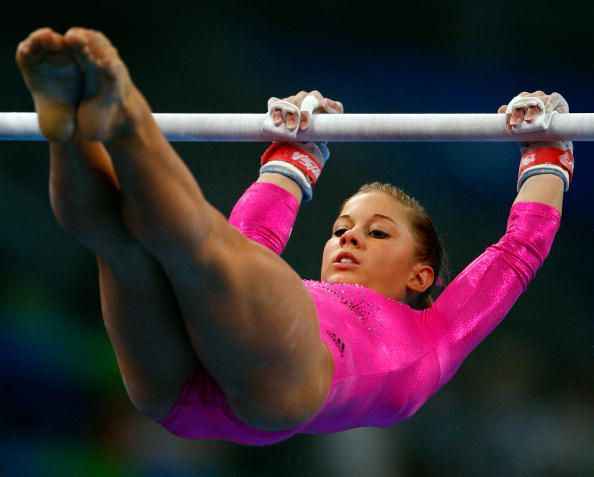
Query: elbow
<point x="524" y="253"/>
<point x="528" y="239"/>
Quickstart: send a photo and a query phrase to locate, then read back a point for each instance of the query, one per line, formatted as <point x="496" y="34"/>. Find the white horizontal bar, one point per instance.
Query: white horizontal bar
<point x="336" y="128"/>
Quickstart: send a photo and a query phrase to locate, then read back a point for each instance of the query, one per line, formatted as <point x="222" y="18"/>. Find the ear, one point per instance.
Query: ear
<point x="421" y="278"/>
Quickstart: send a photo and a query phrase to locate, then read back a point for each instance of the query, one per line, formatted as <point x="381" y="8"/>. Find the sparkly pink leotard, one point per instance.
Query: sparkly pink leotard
<point x="389" y="358"/>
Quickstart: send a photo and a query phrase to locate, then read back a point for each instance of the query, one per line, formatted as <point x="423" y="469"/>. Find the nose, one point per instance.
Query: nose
<point x="351" y="236"/>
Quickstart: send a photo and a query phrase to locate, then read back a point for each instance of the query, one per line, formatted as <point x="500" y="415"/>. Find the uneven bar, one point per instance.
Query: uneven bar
<point x="337" y="128"/>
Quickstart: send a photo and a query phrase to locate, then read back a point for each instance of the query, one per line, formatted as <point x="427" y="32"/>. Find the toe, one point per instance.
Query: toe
<point x="76" y="38"/>
<point x="99" y="45"/>
<point x="53" y="41"/>
<point x="41" y="34"/>
<point x="22" y="52"/>
<point x="41" y="41"/>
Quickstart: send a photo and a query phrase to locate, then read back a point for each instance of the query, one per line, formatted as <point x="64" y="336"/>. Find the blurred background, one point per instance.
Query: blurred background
<point x="522" y="404"/>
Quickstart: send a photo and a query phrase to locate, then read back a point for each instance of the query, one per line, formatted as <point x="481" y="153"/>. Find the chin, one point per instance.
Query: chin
<point x="342" y="278"/>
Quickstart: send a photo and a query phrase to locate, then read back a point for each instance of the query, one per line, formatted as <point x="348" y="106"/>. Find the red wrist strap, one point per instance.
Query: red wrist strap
<point x="547" y="155"/>
<point x="296" y="156"/>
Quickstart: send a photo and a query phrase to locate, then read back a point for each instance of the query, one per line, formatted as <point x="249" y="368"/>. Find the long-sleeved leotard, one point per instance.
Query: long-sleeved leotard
<point x="388" y="358"/>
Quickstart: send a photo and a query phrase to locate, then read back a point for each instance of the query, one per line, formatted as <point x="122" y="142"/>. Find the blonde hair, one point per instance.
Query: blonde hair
<point x="429" y="247"/>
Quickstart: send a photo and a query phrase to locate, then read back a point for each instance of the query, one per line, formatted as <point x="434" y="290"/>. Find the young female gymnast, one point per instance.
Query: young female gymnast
<point x="216" y="337"/>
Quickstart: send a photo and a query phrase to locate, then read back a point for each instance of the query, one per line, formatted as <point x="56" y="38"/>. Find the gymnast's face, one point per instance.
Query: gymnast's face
<point x="372" y="245"/>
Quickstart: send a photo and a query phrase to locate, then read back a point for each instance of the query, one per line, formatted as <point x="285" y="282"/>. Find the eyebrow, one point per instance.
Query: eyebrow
<point x="347" y="216"/>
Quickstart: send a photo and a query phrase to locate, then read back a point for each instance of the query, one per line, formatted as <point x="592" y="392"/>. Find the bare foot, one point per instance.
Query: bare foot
<point x="54" y="80"/>
<point x="110" y="102"/>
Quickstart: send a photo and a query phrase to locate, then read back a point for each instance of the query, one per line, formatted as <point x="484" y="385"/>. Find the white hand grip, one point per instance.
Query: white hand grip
<point x="539" y="123"/>
<point x="281" y="131"/>
<point x="309" y="105"/>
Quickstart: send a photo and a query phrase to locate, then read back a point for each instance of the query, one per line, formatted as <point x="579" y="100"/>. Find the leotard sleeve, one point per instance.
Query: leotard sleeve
<point x="476" y="301"/>
<point x="266" y="213"/>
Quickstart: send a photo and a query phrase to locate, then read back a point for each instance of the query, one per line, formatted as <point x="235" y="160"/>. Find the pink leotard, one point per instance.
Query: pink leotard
<point x="389" y="358"/>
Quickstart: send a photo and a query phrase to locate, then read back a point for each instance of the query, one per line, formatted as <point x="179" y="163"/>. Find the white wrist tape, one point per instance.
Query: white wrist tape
<point x="309" y="104"/>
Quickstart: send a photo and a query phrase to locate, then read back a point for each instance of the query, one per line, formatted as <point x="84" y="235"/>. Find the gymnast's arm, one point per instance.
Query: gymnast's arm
<point x="483" y="293"/>
<point x="267" y="211"/>
<point x="545" y="189"/>
<point x="283" y="182"/>
<point x="478" y="299"/>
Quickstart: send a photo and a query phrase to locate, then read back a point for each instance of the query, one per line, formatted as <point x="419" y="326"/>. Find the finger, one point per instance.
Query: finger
<point x="298" y="98"/>
<point x="502" y="108"/>
<point x="308" y="108"/>
<point x="532" y="113"/>
<point x="305" y="120"/>
<point x="332" y="106"/>
<point x="556" y="102"/>
<point x="293" y="99"/>
<point x="517" y="116"/>
<point x="546" y="98"/>
<point x="524" y="93"/>
<point x="291" y="121"/>
<point x="277" y="117"/>
<point x="508" y="125"/>
<point x="538" y="93"/>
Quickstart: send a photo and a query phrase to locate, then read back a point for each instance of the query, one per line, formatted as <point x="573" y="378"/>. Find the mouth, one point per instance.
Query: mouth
<point x="345" y="261"/>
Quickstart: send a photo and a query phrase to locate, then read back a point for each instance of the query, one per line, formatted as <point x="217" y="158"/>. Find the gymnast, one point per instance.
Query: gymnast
<point x="216" y="336"/>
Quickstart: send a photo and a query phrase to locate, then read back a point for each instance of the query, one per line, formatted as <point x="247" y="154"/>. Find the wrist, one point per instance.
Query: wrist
<point x="543" y="188"/>
<point x="283" y="182"/>
<point x="552" y="182"/>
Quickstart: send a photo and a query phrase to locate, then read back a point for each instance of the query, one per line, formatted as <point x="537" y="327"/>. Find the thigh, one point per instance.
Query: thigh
<point x="251" y="321"/>
<point x="143" y="321"/>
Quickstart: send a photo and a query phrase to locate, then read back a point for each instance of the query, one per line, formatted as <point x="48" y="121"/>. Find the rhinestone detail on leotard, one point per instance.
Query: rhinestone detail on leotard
<point x="355" y="297"/>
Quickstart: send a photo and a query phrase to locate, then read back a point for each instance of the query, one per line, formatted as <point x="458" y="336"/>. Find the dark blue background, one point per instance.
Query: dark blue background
<point x="523" y="403"/>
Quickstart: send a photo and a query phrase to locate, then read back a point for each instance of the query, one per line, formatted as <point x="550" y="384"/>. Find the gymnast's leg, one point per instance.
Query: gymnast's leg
<point x="140" y="312"/>
<point x="251" y="321"/>
<point x="139" y="309"/>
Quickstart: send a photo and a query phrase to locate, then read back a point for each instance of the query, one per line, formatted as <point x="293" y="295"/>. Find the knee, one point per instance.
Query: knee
<point x="155" y="408"/>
